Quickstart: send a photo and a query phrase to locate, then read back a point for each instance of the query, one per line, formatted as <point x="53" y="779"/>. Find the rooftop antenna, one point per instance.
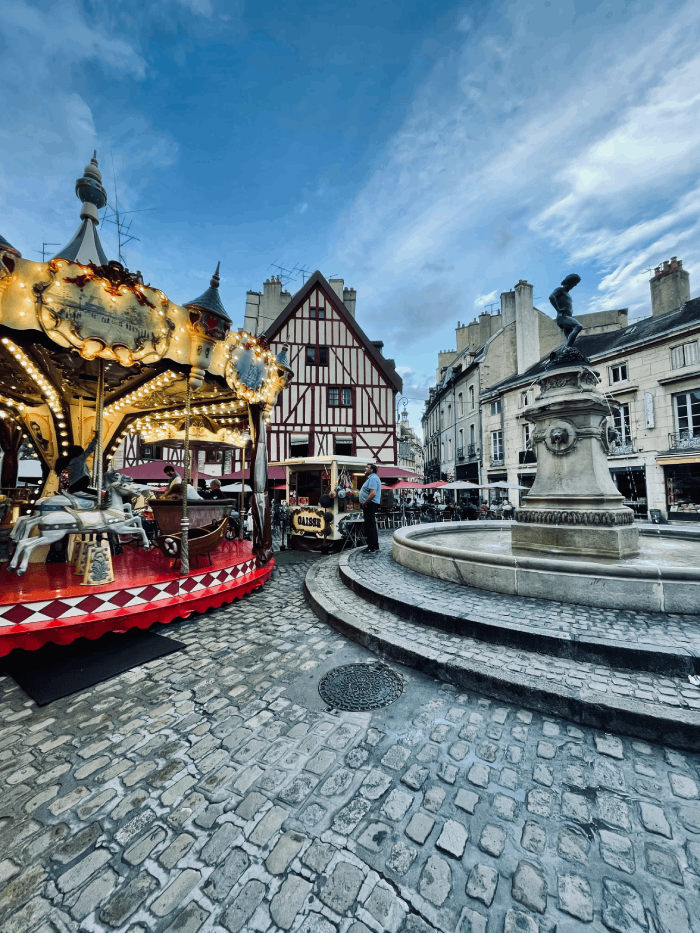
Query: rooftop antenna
<point x="646" y="271"/>
<point x="287" y="275"/>
<point x="493" y="304"/>
<point x="43" y="250"/>
<point x="124" y="235"/>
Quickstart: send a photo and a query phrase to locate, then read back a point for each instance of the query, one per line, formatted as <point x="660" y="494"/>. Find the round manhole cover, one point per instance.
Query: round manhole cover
<point x="356" y="687"/>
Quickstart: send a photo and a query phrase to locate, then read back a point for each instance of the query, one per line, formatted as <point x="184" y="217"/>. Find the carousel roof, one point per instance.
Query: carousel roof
<point x="210" y="300"/>
<point x="85" y="247"/>
<point x="4" y="244"/>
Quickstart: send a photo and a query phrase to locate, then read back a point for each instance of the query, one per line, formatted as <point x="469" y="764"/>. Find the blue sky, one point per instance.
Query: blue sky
<point x="430" y="154"/>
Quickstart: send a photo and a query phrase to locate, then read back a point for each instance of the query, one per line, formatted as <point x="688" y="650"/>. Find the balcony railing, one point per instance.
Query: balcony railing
<point x="684" y="440"/>
<point x="471" y="450"/>
<point x="498" y="460"/>
<point x="460" y="453"/>
<point x="618" y="448"/>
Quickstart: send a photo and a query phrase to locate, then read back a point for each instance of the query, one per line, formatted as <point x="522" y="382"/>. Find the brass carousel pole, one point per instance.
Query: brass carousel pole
<point x="99" y="415"/>
<point x="185" y="524"/>
<point x="240" y="507"/>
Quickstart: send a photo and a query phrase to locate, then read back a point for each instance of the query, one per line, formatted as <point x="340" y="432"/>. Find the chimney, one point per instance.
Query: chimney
<point x="507" y="308"/>
<point x="349" y="299"/>
<point x="670" y="287"/>
<point x="527" y="327"/>
<point x="337" y="286"/>
<point x="484" y="327"/>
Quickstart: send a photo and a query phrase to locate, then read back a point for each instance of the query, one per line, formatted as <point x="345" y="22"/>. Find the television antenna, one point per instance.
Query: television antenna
<point x="287" y="275"/>
<point x="124" y="235"/>
<point x="492" y="305"/>
<point x="646" y="271"/>
<point x="43" y="250"/>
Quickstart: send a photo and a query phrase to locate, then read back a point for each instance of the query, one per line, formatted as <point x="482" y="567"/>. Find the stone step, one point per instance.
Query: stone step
<point x="643" y="705"/>
<point x="659" y="643"/>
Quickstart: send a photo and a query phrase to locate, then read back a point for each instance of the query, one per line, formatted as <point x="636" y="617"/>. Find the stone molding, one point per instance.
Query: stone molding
<point x="575" y="516"/>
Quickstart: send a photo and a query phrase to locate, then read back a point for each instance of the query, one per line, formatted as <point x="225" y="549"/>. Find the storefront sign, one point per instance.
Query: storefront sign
<point x="307" y="521"/>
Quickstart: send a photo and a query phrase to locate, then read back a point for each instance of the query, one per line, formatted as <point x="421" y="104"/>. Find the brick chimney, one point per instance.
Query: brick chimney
<point x="670" y="287"/>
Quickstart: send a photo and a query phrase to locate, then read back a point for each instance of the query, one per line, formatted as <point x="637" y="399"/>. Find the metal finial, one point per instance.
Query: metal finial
<point x="215" y="279"/>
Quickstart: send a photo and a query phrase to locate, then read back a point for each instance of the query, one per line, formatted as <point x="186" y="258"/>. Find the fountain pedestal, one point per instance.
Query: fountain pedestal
<point x="573" y="508"/>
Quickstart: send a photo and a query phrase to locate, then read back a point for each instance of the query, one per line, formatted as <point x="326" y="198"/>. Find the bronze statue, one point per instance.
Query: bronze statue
<point x="563" y="305"/>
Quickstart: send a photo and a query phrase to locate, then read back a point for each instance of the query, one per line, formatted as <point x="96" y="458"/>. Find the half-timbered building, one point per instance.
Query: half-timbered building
<point x="342" y="399"/>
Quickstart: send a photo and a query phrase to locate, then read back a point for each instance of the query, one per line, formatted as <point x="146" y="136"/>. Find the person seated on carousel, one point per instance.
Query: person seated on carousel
<point x="174" y="488"/>
<point x="202" y="488"/>
<point x="215" y="491"/>
<point x="74" y="464"/>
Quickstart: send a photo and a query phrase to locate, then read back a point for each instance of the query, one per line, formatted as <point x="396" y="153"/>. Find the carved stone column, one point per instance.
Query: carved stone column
<point x="573" y="507"/>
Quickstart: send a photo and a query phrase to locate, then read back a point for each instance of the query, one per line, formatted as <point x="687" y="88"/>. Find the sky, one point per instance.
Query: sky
<point x="430" y="154"/>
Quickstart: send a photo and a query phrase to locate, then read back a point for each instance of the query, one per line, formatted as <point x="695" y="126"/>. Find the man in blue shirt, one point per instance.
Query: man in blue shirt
<point x="370" y="497"/>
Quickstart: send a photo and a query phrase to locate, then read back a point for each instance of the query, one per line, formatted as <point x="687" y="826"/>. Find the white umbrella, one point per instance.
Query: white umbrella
<point x="460" y="484"/>
<point x="236" y="487"/>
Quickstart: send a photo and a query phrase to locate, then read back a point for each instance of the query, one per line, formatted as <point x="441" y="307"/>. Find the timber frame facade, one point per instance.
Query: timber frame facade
<point x="342" y="398"/>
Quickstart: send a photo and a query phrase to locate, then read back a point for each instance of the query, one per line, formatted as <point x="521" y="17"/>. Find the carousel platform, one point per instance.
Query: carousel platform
<point x="50" y="604"/>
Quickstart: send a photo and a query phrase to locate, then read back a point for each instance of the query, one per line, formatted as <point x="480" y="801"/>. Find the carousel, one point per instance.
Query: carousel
<point x="88" y="353"/>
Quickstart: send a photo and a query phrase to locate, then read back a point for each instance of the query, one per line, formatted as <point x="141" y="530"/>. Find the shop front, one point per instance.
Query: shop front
<point x="632" y="484"/>
<point x="683" y="490"/>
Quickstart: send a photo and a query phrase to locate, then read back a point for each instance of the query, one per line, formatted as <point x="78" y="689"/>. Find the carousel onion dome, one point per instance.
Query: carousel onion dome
<point x="283" y="356"/>
<point x="210" y="300"/>
<point x="85" y="247"/>
<point x="8" y="247"/>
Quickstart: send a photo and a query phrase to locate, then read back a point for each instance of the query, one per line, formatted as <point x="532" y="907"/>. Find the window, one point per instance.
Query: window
<point x="497" y="445"/>
<point x="686" y="411"/>
<point x="212" y="456"/>
<point x="460" y="441"/>
<point x="621" y="417"/>
<point x="471" y="398"/>
<point x="527" y="434"/>
<point x="319" y="313"/>
<point x="449" y="414"/>
<point x="526" y="398"/>
<point x="685" y="355"/>
<point x="442" y="452"/>
<point x="317" y="356"/>
<point x="496" y="407"/>
<point x="449" y="448"/>
<point x="618" y="373"/>
<point x="460" y="404"/>
<point x="339" y="396"/>
<point x="299" y="445"/>
<point x="472" y="434"/>
<point x="343" y="444"/>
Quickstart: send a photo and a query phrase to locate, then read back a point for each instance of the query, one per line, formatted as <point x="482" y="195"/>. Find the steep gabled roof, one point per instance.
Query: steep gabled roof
<point x="617" y="341"/>
<point x="318" y="281"/>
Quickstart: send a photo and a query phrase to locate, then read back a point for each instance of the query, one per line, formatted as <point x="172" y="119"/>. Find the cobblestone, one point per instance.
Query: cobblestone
<point x="331" y="822"/>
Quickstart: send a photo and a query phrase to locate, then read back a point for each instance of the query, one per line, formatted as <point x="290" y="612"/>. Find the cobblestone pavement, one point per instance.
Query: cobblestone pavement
<point x="212" y="791"/>
<point x="388" y="576"/>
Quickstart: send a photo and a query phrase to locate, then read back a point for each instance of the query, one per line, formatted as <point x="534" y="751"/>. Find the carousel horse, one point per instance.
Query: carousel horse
<point x="65" y="514"/>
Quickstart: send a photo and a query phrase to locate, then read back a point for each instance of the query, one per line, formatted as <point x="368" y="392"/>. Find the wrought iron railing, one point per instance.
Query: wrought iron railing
<point x="684" y="439"/>
<point x="460" y="453"/>
<point x="621" y="447"/>
<point x="471" y="450"/>
<point x="498" y="461"/>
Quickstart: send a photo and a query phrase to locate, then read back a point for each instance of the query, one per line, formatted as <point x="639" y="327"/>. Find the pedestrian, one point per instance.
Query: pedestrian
<point x="370" y="496"/>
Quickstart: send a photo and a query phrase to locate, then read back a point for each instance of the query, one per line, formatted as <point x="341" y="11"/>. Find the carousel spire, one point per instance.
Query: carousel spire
<point x="210" y="300"/>
<point x="85" y="247"/>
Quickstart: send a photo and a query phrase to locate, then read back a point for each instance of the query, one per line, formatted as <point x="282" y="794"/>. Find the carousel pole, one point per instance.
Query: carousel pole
<point x="185" y="523"/>
<point x="99" y="415"/>
<point x="240" y="507"/>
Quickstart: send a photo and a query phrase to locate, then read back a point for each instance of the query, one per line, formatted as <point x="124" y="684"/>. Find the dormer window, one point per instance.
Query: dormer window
<point x="618" y="373"/>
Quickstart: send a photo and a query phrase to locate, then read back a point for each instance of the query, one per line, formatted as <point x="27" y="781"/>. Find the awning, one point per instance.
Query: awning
<point x="397" y="472"/>
<point x="677" y="461"/>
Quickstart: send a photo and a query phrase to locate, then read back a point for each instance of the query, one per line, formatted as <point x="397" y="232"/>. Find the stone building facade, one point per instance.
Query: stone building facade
<point x="474" y="423"/>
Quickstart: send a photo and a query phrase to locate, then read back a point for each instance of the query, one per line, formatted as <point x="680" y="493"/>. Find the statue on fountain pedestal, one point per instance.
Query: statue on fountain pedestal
<point x="560" y="300"/>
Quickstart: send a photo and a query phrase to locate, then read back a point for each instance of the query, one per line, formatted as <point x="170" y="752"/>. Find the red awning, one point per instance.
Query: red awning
<point x="436" y="484"/>
<point x="153" y="470"/>
<point x="405" y="485"/>
<point x="273" y="472"/>
<point x="397" y="472"/>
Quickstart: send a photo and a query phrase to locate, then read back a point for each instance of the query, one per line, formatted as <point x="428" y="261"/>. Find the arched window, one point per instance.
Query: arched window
<point x="460" y="404"/>
<point x="472" y="435"/>
<point x="471" y="398"/>
<point x="449" y="414"/>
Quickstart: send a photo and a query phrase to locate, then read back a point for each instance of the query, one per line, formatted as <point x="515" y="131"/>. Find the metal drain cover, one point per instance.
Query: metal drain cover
<point x="356" y="687"/>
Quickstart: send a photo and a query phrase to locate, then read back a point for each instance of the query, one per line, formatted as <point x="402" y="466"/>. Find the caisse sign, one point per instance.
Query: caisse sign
<point x="307" y="521"/>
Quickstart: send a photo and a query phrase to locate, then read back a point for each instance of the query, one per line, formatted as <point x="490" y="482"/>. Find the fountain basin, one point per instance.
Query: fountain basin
<point x="663" y="577"/>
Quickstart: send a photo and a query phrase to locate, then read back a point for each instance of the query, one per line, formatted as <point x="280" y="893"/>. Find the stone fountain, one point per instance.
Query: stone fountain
<point x="573" y="539"/>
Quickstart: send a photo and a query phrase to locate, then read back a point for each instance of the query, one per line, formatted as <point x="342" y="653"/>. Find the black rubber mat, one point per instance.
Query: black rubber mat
<point x="56" y="671"/>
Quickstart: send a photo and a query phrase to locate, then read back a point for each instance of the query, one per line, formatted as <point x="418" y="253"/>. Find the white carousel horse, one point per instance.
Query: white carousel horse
<point x="63" y="515"/>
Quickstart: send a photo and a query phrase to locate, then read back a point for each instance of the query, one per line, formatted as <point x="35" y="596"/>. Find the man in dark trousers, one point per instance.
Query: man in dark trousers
<point x="370" y="498"/>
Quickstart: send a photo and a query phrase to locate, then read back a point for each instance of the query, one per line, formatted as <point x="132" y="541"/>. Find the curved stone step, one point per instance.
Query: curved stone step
<point x="649" y="707"/>
<point x="660" y="643"/>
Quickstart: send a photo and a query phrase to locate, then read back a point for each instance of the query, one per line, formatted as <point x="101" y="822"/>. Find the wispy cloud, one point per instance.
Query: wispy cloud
<point x="545" y="141"/>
